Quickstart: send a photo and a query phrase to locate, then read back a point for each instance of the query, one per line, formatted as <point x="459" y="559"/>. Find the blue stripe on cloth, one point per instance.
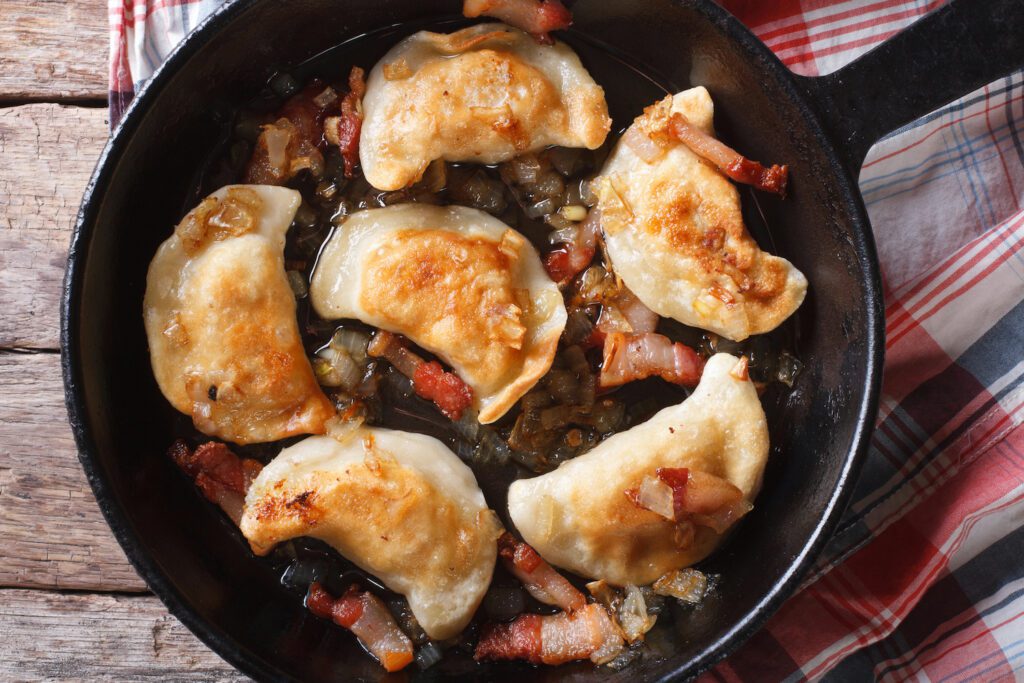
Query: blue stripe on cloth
<point x="922" y="176"/>
<point x="933" y="403"/>
<point x="943" y="612"/>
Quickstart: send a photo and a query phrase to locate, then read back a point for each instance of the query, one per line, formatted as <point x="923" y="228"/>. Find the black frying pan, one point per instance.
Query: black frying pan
<point x="201" y="568"/>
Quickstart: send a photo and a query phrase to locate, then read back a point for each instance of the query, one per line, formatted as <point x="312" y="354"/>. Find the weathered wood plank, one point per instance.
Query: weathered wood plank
<point x="57" y="637"/>
<point x="48" y="153"/>
<point x="53" y="49"/>
<point x="53" y="533"/>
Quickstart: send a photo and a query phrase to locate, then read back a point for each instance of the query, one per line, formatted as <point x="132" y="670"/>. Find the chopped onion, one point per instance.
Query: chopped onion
<point x="687" y="585"/>
<point x="326" y="98"/>
<point x="563" y="235"/>
<point x="352" y="342"/>
<point x="633" y="616"/>
<point x="655" y="495"/>
<point x="566" y="160"/>
<point x="525" y="169"/>
<point x="574" y="212"/>
<point x="276" y="140"/>
<point x="541" y="208"/>
<point x="342" y="370"/>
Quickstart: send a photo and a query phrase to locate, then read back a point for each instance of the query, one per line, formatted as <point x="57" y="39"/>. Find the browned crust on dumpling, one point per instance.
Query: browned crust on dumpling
<point x="224" y="341"/>
<point x="459" y="294"/>
<point x="482" y="101"/>
<point x="682" y="204"/>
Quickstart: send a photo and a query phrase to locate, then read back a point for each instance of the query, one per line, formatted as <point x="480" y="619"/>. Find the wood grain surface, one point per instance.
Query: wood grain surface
<point x="54" y="535"/>
<point x="48" y="153"/>
<point x="65" y="636"/>
<point x="71" y="606"/>
<point x="52" y="49"/>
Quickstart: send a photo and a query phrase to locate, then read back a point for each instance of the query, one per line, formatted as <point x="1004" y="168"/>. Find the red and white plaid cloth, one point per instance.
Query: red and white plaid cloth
<point x="925" y="577"/>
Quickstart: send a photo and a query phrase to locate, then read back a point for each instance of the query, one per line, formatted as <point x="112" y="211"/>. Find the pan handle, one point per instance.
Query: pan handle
<point x="946" y="54"/>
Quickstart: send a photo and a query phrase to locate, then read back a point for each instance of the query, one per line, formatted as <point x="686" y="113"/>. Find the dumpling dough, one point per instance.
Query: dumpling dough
<point x="578" y="516"/>
<point x="220" y="318"/>
<point x="486" y="94"/>
<point x="399" y="505"/>
<point x="676" y="237"/>
<point x="456" y="281"/>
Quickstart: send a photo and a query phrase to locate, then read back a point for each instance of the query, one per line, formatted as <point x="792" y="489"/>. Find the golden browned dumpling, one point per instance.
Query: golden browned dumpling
<point x="220" y="318"/>
<point x="580" y="517"/>
<point x="486" y="93"/>
<point x="399" y="505"/>
<point x="675" y="234"/>
<point x="458" y="282"/>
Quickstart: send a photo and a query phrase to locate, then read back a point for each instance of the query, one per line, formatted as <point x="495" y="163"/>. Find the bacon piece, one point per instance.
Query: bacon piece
<point x="587" y="633"/>
<point x="445" y="389"/>
<point x="536" y="17"/>
<point x="540" y="578"/>
<point x="292" y="142"/>
<point x="429" y="380"/>
<point x="344" y="130"/>
<point x="221" y="475"/>
<point x="629" y="357"/>
<point x="729" y="161"/>
<point x="568" y="261"/>
<point x="703" y="498"/>
<point x="368" y="618"/>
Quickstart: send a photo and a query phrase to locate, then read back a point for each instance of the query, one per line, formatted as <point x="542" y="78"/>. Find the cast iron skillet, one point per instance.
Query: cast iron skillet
<point x="822" y="127"/>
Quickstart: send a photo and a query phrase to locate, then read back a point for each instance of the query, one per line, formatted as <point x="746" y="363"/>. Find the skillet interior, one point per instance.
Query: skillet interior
<point x="191" y="556"/>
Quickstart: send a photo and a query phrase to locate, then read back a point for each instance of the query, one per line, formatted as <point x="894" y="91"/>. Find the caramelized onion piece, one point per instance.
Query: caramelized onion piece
<point x="695" y="497"/>
<point x="729" y="161"/>
<point x="629" y="357"/>
<point x="292" y="142"/>
<point x="536" y="17"/>
<point x="538" y="577"/>
<point x="221" y="475"/>
<point x="368" y="618"/>
<point x="587" y="633"/>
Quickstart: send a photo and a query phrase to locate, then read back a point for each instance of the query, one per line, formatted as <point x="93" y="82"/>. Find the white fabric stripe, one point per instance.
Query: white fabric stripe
<point x="880" y="627"/>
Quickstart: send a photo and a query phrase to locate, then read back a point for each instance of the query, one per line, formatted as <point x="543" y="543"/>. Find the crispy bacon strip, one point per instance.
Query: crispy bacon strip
<point x="445" y="389"/>
<point x="429" y="380"/>
<point x="587" y="633"/>
<point x="368" y="618"/>
<point x="568" y="261"/>
<point x="696" y="497"/>
<point x="536" y="17"/>
<point x="344" y="130"/>
<point x="540" y="578"/>
<point x="221" y="475"/>
<point x="729" y="161"/>
<point x="629" y="357"/>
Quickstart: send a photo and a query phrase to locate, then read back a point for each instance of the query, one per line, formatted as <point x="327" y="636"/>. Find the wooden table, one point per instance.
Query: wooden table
<point x="70" y="604"/>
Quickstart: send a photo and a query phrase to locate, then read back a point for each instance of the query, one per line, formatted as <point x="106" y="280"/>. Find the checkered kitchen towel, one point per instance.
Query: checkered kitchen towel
<point x="925" y="576"/>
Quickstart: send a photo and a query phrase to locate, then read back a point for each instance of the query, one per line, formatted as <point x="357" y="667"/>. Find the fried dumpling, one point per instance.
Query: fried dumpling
<point x="220" y="317"/>
<point x="675" y="234"/>
<point x="485" y="94"/>
<point x="456" y="281"/>
<point x="399" y="505"/>
<point x="581" y="516"/>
